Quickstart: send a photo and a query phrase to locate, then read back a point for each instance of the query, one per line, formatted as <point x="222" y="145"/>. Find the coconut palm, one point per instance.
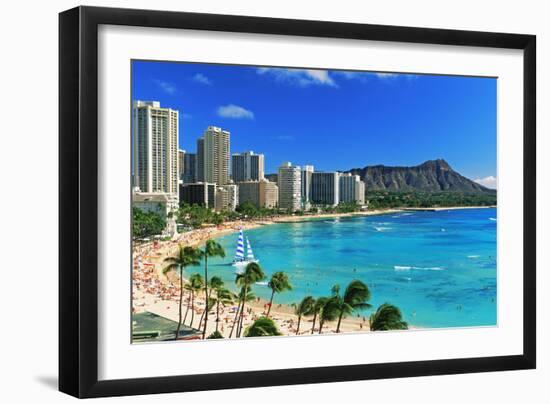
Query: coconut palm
<point x="225" y="297"/>
<point x="196" y="283"/>
<point x="241" y="298"/>
<point x="317" y="307"/>
<point x="278" y="283"/>
<point x="211" y="249"/>
<point x="387" y="317"/>
<point x="329" y="311"/>
<point x="214" y="283"/>
<point x="185" y="257"/>
<point x="253" y="273"/>
<point x="304" y="308"/>
<point x="355" y="297"/>
<point x="262" y="327"/>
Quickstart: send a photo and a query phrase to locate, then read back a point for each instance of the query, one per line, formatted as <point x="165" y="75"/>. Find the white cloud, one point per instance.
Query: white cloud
<point x="235" y="111"/>
<point x="299" y="77"/>
<point x="167" y="87"/>
<point x="386" y="75"/>
<point x="201" y="78"/>
<point x="489" y="182"/>
<point x="360" y="76"/>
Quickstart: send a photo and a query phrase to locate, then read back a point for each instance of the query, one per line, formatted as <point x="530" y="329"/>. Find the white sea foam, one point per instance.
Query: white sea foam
<point x="380" y="228"/>
<point x="494" y="219"/>
<point x="408" y="268"/>
<point x="473" y="256"/>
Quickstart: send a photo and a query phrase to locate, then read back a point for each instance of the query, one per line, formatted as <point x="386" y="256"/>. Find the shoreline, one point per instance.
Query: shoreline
<point x="157" y="293"/>
<point x="441" y="208"/>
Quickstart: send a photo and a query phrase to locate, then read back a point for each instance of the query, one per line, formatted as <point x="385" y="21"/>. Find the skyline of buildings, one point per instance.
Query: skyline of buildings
<point x="216" y="178"/>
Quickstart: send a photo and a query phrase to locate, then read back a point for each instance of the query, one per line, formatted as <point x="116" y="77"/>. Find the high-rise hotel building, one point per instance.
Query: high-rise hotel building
<point x="189" y="168"/>
<point x="155" y="142"/>
<point x="325" y="188"/>
<point x="181" y="164"/>
<point x="199" y="171"/>
<point x="213" y="153"/>
<point x="307" y="172"/>
<point x="247" y="166"/>
<point x="352" y="189"/>
<point x="289" y="182"/>
<point x="261" y="194"/>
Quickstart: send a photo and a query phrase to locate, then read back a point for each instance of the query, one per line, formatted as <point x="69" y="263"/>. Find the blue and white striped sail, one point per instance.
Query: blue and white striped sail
<point x="250" y="254"/>
<point x="239" y="253"/>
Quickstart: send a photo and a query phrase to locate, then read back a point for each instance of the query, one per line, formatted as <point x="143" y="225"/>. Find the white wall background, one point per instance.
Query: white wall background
<point x="28" y="201"/>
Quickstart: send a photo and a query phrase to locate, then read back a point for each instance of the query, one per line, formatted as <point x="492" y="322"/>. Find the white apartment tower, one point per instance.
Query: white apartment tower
<point x="216" y="156"/>
<point x="155" y="142"/>
<point x="352" y="189"/>
<point x="290" y="187"/>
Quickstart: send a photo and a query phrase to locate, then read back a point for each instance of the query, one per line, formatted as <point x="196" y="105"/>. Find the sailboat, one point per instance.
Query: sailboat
<point x="239" y="261"/>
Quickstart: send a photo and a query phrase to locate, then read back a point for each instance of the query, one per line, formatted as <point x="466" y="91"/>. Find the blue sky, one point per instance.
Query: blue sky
<point x="333" y="120"/>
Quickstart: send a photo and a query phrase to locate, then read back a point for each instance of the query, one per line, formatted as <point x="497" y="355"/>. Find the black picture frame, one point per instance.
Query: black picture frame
<point x="78" y="201"/>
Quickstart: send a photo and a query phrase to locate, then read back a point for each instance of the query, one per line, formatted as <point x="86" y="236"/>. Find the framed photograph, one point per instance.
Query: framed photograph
<point x="251" y="201"/>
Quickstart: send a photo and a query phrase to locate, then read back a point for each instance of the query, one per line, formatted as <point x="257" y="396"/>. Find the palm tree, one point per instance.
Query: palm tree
<point x="211" y="249"/>
<point x="387" y="317"/>
<point x="278" y="283"/>
<point x="355" y="298"/>
<point x="196" y="284"/>
<point x="317" y="307"/>
<point x="262" y="327"/>
<point x="241" y="298"/>
<point x="329" y="311"/>
<point x="214" y="283"/>
<point x="225" y="297"/>
<point x="304" y="308"/>
<point x="185" y="257"/>
<point x="253" y="273"/>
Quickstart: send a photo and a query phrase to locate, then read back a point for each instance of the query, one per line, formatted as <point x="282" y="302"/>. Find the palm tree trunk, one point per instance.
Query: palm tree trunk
<point x="192" y="307"/>
<point x="179" y="311"/>
<point x="187" y="310"/>
<point x="270" y="302"/>
<point x="205" y="294"/>
<point x="298" y="326"/>
<point x="202" y="315"/>
<point x="339" y="321"/>
<point x="313" y="325"/>
<point x="242" y="313"/>
<point x="235" y="320"/>
<point x="217" y="312"/>
<point x="321" y="325"/>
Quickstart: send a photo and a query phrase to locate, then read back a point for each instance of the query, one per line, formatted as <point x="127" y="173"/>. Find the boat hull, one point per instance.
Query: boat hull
<point x="241" y="265"/>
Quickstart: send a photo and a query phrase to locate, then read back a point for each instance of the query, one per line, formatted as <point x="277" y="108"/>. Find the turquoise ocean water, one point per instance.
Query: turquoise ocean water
<point x="439" y="268"/>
